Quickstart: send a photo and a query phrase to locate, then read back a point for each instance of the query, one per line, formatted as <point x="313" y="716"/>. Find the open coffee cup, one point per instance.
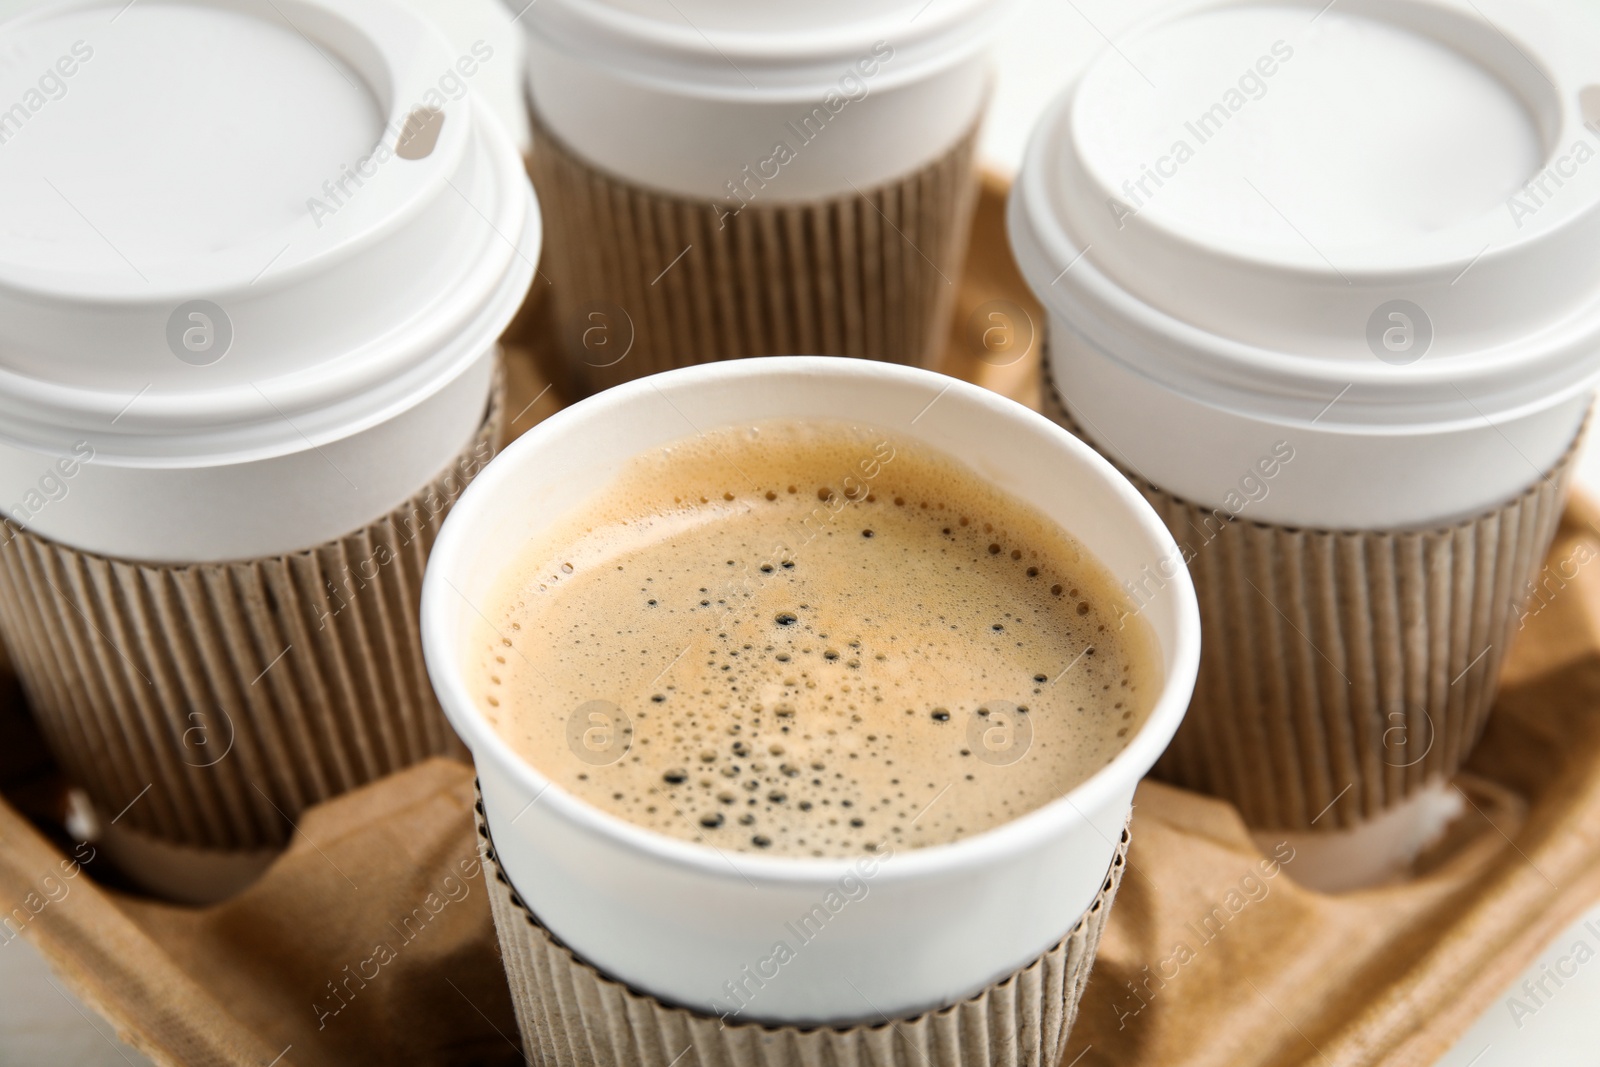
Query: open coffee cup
<point x="1319" y="279"/>
<point x="256" y="265"/>
<point x="645" y="939"/>
<point x="728" y="179"/>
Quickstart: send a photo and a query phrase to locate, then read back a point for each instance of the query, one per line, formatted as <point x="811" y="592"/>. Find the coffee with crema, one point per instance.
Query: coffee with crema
<point x="812" y="639"/>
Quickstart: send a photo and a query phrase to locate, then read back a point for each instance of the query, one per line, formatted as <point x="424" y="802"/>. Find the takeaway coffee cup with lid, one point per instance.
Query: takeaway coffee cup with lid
<point x="1321" y="279"/>
<point x="735" y="179"/>
<point x="624" y="933"/>
<point x="256" y="261"/>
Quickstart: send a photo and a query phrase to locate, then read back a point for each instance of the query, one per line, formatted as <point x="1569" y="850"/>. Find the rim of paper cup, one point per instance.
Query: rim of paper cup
<point x="176" y="430"/>
<point x="795" y="66"/>
<point x="1269" y="383"/>
<point x="1014" y="836"/>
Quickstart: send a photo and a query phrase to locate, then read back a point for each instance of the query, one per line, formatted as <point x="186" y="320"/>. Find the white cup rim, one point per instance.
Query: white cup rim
<point x="1016" y="836"/>
<point x="1243" y="371"/>
<point x="316" y="375"/>
<point x="680" y="58"/>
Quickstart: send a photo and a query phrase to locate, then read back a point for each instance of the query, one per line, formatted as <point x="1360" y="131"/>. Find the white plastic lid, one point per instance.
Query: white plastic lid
<point x="234" y="230"/>
<point x="1239" y="198"/>
<point x="762" y="49"/>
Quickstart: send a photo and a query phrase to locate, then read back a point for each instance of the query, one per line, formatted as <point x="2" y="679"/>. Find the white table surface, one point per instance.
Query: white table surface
<point x="40" y="1023"/>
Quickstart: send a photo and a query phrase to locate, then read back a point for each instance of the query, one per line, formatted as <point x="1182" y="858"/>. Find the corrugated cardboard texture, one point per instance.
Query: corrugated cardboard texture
<point x="572" y="1015"/>
<point x="208" y="705"/>
<point x="1340" y="671"/>
<point x="644" y="281"/>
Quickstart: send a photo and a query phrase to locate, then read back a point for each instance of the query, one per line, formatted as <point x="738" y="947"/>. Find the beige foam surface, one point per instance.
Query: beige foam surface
<point x="812" y="639"/>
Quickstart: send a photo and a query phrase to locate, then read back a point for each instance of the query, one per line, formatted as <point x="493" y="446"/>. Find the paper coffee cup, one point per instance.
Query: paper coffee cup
<point x="679" y="921"/>
<point x="737" y="179"/>
<point x="252" y="303"/>
<point x="1320" y="280"/>
<point x="1417" y="624"/>
<point x="256" y="263"/>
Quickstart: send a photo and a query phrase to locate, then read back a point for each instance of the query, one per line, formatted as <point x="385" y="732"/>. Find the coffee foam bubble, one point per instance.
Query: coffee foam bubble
<point x="812" y="639"/>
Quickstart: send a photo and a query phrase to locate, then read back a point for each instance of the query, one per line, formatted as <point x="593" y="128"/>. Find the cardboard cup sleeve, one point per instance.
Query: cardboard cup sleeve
<point x="205" y="706"/>
<point x="645" y="281"/>
<point x="1343" y="670"/>
<point x="570" y="1014"/>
